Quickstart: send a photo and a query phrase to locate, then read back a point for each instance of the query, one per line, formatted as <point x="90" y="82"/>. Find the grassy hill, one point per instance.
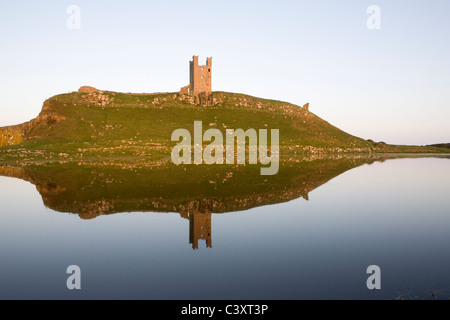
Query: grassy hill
<point x="103" y="125"/>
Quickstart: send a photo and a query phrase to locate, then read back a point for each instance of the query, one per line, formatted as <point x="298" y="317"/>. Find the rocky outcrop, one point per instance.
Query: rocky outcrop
<point x="202" y="98"/>
<point x="87" y="89"/>
<point x="97" y="99"/>
<point x="13" y="135"/>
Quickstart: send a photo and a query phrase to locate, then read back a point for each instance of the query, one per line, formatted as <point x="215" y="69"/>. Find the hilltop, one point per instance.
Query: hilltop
<point x="94" y="125"/>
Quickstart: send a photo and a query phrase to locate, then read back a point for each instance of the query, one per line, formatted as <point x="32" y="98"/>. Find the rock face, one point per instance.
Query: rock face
<point x="13" y="135"/>
<point x="87" y="89"/>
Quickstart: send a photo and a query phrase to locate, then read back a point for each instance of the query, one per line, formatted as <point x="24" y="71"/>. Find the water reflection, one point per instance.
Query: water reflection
<point x="195" y="192"/>
<point x="199" y="215"/>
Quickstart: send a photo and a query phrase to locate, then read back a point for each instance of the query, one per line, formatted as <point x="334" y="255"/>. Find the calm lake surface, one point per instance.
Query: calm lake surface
<point x="394" y="214"/>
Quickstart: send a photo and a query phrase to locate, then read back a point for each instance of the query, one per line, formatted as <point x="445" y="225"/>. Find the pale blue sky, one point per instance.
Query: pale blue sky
<point x="391" y="84"/>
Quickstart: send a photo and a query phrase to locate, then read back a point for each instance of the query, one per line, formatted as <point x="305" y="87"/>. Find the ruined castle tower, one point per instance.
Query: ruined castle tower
<point x="200" y="76"/>
<point x="199" y="88"/>
<point x="200" y="228"/>
<point x="199" y="215"/>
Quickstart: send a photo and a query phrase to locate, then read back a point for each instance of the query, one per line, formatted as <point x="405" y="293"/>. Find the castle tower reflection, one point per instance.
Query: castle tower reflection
<point x="199" y="215"/>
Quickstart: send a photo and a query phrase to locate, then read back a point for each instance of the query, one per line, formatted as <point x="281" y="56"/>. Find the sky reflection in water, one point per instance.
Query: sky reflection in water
<point x="394" y="214"/>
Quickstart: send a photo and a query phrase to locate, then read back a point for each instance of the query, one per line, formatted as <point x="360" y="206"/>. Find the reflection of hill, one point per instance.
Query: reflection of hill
<point x="193" y="191"/>
<point x="98" y="190"/>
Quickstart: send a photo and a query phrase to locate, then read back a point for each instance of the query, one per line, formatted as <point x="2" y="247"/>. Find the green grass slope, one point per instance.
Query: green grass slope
<point x="109" y="125"/>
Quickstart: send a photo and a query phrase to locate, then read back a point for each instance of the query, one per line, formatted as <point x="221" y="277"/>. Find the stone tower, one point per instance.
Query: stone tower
<point x="198" y="213"/>
<point x="199" y="88"/>
<point x="200" y="228"/>
<point x="200" y="76"/>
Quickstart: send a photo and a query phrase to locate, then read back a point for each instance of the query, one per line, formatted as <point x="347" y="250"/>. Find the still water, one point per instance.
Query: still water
<point x="309" y="233"/>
